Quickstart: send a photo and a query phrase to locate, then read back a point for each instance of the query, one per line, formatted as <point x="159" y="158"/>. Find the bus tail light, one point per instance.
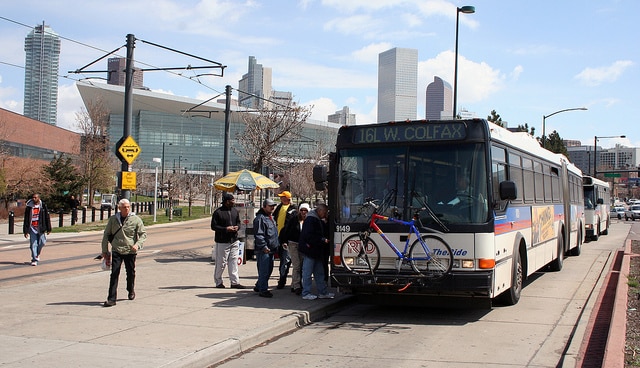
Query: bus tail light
<point x="486" y="263"/>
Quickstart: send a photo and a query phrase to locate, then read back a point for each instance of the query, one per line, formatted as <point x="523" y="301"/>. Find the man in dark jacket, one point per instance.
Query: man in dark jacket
<point x="313" y="244"/>
<point x="225" y="221"/>
<point x="265" y="234"/>
<point x="36" y="223"/>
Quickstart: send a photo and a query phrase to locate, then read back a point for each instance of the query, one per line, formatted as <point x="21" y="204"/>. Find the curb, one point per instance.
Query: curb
<point x="614" y="350"/>
<point x="604" y="342"/>
<point x="226" y="349"/>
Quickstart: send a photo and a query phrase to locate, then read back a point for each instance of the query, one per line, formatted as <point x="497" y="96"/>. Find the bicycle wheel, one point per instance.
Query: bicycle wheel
<point x="358" y="258"/>
<point x="431" y="256"/>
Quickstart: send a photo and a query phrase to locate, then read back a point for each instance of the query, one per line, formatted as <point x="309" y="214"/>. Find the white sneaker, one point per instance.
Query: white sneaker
<point x="326" y="296"/>
<point x="38" y="259"/>
<point x="34" y="263"/>
<point x="309" y="297"/>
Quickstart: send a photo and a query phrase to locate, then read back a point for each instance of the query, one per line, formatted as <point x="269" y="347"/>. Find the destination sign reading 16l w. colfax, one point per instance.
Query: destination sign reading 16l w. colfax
<point x="409" y="133"/>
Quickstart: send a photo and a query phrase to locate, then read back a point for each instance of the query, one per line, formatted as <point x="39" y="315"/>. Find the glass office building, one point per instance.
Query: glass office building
<point x="190" y="141"/>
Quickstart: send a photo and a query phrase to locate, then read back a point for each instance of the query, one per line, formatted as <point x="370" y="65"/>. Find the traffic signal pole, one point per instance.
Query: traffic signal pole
<point x="128" y="111"/>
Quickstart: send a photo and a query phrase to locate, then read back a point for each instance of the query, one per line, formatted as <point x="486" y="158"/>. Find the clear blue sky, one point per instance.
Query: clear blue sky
<point x="524" y="59"/>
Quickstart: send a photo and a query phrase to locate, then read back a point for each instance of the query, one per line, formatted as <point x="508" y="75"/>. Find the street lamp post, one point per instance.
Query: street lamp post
<point x="595" y="152"/>
<point x="179" y="167"/>
<point x="466" y="10"/>
<point x="162" y="174"/>
<point x="155" y="192"/>
<point x="544" y="118"/>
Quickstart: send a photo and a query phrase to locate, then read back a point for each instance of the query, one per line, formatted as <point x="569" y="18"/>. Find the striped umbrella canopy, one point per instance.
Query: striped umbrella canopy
<point x="244" y="180"/>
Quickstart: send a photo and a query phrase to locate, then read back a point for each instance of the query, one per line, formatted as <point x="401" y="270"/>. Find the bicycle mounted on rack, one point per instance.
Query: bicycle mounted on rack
<point x="428" y="257"/>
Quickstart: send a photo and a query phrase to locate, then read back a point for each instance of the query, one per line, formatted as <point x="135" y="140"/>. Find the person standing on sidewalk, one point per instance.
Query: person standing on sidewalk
<point x="289" y="237"/>
<point x="225" y="221"/>
<point x="126" y="233"/>
<point x="313" y="242"/>
<point x="284" y="213"/>
<point x="265" y="235"/>
<point x="74" y="204"/>
<point x="36" y="224"/>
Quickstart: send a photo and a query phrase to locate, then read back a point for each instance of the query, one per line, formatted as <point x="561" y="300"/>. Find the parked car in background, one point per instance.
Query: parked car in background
<point x="108" y="202"/>
<point x="633" y="212"/>
<point x="618" y="212"/>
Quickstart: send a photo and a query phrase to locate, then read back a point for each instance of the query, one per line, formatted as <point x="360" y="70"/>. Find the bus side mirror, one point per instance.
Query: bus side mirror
<point x="600" y="201"/>
<point x="319" y="173"/>
<point x="508" y="190"/>
<point x="320" y="176"/>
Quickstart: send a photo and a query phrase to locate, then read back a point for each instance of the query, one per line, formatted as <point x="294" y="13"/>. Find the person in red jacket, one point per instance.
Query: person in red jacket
<point x="36" y="224"/>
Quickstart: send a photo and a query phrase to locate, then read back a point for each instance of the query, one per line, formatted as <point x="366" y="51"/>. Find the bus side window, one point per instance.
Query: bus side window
<point x="499" y="173"/>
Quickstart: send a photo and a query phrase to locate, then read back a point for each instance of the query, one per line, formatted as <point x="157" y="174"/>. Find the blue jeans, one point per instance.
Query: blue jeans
<point x="285" y="264"/>
<point x="36" y="242"/>
<point x="264" y="262"/>
<point x="315" y="267"/>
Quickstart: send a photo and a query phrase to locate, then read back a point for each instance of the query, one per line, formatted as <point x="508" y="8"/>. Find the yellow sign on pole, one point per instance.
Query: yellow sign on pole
<point x="128" y="180"/>
<point x="129" y="150"/>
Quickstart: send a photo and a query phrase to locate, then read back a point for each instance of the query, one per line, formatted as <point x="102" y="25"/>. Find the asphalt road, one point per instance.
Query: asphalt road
<point x="545" y="329"/>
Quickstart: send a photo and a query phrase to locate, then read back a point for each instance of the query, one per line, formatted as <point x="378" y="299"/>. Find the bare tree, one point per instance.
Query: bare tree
<point x="19" y="176"/>
<point x="4" y="154"/>
<point x="98" y="164"/>
<point x="301" y="182"/>
<point x="23" y="177"/>
<point x="299" y="176"/>
<point x="268" y="132"/>
<point x="194" y="188"/>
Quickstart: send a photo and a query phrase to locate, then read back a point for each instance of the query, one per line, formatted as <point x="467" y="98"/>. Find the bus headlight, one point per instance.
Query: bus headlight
<point x="463" y="263"/>
<point x="467" y="263"/>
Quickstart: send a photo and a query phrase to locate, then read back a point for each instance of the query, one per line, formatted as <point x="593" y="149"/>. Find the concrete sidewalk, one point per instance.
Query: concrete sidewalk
<point x="178" y="318"/>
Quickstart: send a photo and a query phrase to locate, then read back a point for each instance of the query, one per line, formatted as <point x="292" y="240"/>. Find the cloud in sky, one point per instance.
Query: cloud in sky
<point x="322" y="107"/>
<point x="597" y="76"/>
<point x="515" y="73"/>
<point x="369" y="54"/>
<point x="477" y="81"/>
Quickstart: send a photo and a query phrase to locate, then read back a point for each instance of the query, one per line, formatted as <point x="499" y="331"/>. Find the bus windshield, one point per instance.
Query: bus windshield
<point x="589" y="198"/>
<point x="451" y="180"/>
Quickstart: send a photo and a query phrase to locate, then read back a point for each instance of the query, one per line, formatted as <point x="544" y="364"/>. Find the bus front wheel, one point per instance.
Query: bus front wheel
<point x="512" y="295"/>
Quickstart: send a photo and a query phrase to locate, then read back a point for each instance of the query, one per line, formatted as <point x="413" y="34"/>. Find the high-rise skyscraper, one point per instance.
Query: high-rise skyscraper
<point x="342" y="117"/>
<point x="439" y="101"/>
<point x="117" y="73"/>
<point x="254" y="89"/>
<point x="257" y="82"/>
<point x="42" y="49"/>
<point x="397" y="84"/>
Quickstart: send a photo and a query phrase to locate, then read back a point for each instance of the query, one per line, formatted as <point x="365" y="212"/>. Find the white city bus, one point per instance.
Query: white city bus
<point x="527" y="211"/>
<point x="597" y="203"/>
